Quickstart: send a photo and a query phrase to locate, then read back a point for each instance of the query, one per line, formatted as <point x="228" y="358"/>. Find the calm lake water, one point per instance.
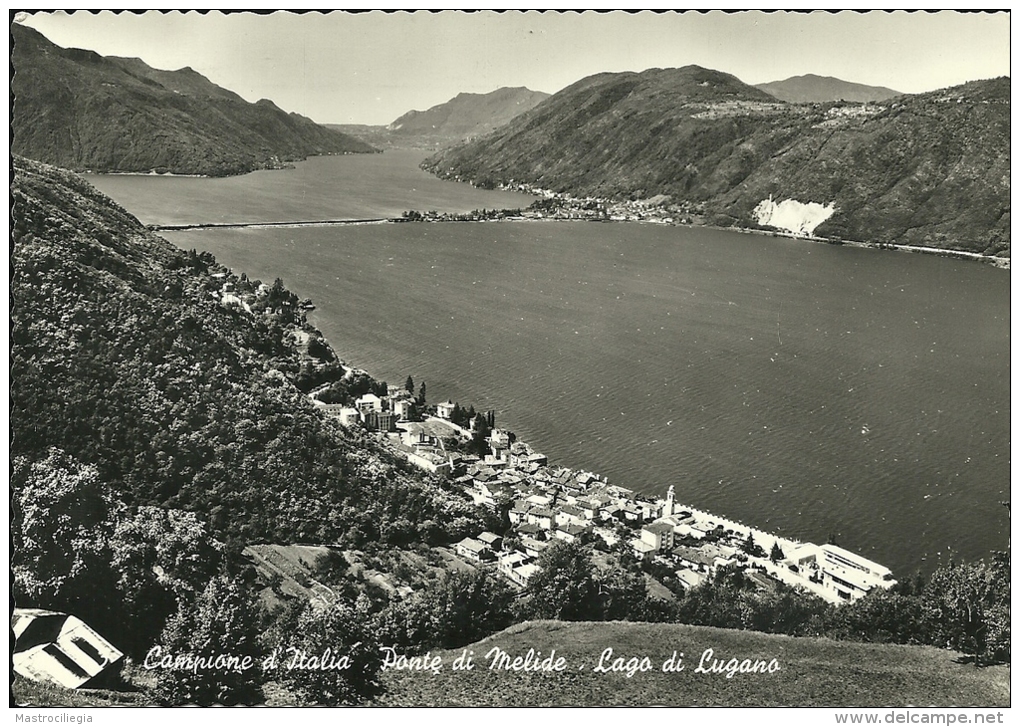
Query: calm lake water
<point x="356" y="186"/>
<point x="807" y="389"/>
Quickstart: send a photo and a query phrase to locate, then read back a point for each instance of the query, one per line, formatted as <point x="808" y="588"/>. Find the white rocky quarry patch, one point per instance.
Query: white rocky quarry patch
<point x="800" y="218"/>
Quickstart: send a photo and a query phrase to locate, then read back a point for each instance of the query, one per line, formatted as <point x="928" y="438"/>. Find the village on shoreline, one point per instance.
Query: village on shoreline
<point x="545" y="503"/>
<point x="556" y="206"/>
<point x="659" y="209"/>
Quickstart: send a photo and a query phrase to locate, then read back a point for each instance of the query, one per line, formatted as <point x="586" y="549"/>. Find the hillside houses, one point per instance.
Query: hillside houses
<point x="544" y="504"/>
<point x="374" y="413"/>
<point x="474" y="549"/>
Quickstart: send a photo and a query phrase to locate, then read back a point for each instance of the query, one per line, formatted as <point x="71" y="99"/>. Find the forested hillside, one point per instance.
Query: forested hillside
<point x="931" y="169"/>
<point x="127" y="354"/>
<point x="82" y="111"/>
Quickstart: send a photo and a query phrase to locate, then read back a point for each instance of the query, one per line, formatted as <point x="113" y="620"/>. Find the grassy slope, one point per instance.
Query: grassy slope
<point x="25" y="692"/>
<point x="814" y="672"/>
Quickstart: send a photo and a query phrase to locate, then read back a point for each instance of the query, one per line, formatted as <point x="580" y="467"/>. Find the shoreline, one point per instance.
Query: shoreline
<point x="653" y="508"/>
<point x="729" y="534"/>
<point x="1003" y="263"/>
<point x="801" y="530"/>
<point x="993" y="260"/>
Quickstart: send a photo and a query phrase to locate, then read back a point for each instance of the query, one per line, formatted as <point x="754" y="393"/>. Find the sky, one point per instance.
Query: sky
<point x="372" y="67"/>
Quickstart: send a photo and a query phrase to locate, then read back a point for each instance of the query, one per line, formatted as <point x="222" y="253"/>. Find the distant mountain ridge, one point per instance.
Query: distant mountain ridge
<point x="466" y="116"/>
<point x="820" y="89"/>
<point x="83" y="111"/>
<point x="469" y="114"/>
<point x="928" y="170"/>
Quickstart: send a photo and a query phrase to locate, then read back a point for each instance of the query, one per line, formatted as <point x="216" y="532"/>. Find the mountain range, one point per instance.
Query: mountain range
<point x="820" y="89"/>
<point x="83" y="111"/>
<point x="929" y="169"/>
<point x="469" y="114"/>
<point x="463" y="117"/>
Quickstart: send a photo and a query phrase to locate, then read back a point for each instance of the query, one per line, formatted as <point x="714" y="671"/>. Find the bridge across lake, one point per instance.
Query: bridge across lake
<point x="261" y="225"/>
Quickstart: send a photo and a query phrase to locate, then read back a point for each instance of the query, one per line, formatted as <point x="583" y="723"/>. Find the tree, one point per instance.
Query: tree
<point x="221" y="623"/>
<point x="478" y="444"/>
<point x="421" y="394"/>
<point x="171" y="547"/>
<point x="777" y="553"/>
<point x="622" y="594"/>
<point x="713" y="602"/>
<point x="752" y="548"/>
<point x="319" y="349"/>
<point x="62" y="524"/>
<point x="161" y="557"/>
<point x="335" y="636"/>
<point x="781" y="610"/>
<point x="331" y="566"/>
<point x="881" y="616"/>
<point x="409" y="385"/>
<point x="968" y="608"/>
<point x="454" y="610"/>
<point x="564" y="587"/>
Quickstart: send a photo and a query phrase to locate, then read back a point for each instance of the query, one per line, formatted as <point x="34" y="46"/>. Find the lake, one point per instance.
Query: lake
<point x="355" y="186"/>
<point x="804" y="388"/>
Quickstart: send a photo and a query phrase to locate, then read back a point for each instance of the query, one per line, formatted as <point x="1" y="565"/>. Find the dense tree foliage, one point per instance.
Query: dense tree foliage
<point x="570" y="586"/>
<point x="967" y="608"/>
<point x="731" y="600"/>
<point x="330" y="658"/>
<point x="454" y="610"/>
<point x="883" y="616"/>
<point x="62" y="522"/>
<point x="161" y="558"/>
<point x="221" y="623"/>
<point x="78" y="549"/>
<point x="564" y="588"/>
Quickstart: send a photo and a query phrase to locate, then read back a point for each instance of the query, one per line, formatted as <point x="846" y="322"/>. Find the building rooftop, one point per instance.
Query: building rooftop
<point x="696" y="555"/>
<point x="844" y="556"/>
<point x="475" y="546"/>
<point x="659" y="527"/>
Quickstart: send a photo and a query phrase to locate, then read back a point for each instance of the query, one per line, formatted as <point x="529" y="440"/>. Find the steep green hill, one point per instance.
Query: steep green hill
<point x="180" y="383"/>
<point x="931" y="169"/>
<point x="812" y="672"/>
<point x="82" y="111"/>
